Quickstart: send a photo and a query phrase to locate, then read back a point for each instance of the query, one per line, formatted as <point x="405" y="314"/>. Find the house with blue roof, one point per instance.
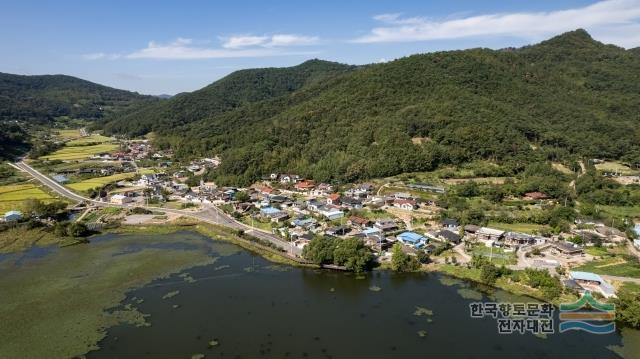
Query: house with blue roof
<point x="412" y="239"/>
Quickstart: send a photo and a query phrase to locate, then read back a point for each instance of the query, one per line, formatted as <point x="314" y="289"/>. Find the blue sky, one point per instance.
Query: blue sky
<point x="159" y="47"/>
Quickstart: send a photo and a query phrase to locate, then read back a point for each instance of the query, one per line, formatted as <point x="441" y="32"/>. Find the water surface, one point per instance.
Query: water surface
<point x="251" y="308"/>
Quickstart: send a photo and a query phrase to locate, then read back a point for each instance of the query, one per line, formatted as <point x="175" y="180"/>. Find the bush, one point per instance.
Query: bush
<point x="401" y="261"/>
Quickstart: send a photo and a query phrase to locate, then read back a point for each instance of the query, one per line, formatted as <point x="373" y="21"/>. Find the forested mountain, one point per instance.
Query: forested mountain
<point x="238" y="89"/>
<point x="42" y="98"/>
<point x="566" y="98"/>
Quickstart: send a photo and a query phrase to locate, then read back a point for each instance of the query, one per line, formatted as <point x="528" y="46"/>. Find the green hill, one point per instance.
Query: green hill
<point x="42" y="98"/>
<point x="565" y="98"/>
<point x="238" y="89"/>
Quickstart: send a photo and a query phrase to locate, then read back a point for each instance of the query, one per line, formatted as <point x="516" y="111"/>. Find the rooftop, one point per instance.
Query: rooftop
<point x="411" y="237"/>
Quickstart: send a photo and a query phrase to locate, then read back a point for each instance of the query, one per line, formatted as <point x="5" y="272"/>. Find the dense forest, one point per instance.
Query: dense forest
<point x="564" y="99"/>
<point x="43" y="98"/>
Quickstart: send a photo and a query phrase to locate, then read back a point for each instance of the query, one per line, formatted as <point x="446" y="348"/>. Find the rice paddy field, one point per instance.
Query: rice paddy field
<point x="92" y="183"/>
<point x="517" y="227"/>
<point x="70" y="153"/>
<point x="12" y="196"/>
<point x="89" y="139"/>
<point x="68" y="134"/>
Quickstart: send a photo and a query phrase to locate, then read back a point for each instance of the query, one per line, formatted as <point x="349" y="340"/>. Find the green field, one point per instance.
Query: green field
<point x="79" y="152"/>
<point x="517" y="227"/>
<point x="615" y="167"/>
<point x="615" y="266"/>
<point x="68" y="134"/>
<point x="12" y="196"/>
<point x="89" y="139"/>
<point x="498" y="255"/>
<point x="620" y="211"/>
<point x="97" y="182"/>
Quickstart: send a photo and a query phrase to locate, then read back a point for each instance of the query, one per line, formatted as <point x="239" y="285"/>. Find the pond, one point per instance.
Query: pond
<point x="242" y="306"/>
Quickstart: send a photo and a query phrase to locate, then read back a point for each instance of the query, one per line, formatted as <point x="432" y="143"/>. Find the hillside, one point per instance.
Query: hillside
<point x="233" y="91"/>
<point x="563" y="99"/>
<point x="42" y="98"/>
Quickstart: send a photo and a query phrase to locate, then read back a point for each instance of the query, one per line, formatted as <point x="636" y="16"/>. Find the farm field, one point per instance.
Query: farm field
<point x="517" y="227"/>
<point x="68" y="134"/>
<point x="92" y="183"/>
<point x="615" y="167"/>
<point x="615" y="265"/>
<point x="13" y="196"/>
<point x="620" y="211"/>
<point x="89" y="139"/>
<point x="79" y="152"/>
<point x="497" y="255"/>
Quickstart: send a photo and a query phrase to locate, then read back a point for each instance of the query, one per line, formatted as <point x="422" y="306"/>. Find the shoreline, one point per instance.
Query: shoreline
<point x="221" y="233"/>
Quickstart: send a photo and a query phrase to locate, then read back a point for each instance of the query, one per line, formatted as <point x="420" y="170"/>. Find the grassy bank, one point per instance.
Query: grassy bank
<point x="215" y="232"/>
<point x="503" y="283"/>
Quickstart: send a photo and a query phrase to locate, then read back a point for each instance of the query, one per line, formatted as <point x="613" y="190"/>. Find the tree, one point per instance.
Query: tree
<point x="77" y="229"/>
<point x="353" y="254"/>
<point x="241" y="196"/>
<point x="320" y="250"/>
<point x="628" y="308"/>
<point x="489" y="273"/>
<point x="401" y="261"/>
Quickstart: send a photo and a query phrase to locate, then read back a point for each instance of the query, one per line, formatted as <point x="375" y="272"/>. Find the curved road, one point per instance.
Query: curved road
<point x="210" y="214"/>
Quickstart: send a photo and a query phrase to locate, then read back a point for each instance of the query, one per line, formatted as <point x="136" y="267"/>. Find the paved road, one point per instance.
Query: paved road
<point x="621" y="279"/>
<point x="210" y="214"/>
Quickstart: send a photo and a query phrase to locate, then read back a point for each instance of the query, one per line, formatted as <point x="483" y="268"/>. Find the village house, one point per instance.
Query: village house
<point x="331" y="213"/>
<point x="412" y="239"/>
<point x="471" y="229"/>
<point x="337" y="231"/>
<point x="351" y="203"/>
<point x="304" y="222"/>
<point x="405" y="204"/>
<point x="322" y="189"/>
<point x="386" y="225"/>
<point x="450" y="223"/>
<point x="489" y="236"/>
<point x="359" y="222"/>
<point x="120" y="199"/>
<point x="333" y="199"/>
<point x="515" y="239"/>
<point x="592" y="282"/>
<point x="448" y="236"/>
<point x="304" y="186"/>
<point x="566" y="249"/>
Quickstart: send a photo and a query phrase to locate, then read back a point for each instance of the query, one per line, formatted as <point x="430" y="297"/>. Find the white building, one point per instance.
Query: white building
<point x="119" y="199"/>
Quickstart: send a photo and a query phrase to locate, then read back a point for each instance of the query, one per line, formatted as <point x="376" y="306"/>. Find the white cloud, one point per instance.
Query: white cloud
<point x="610" y="18"/>
<point x="292" y="40"/>
<point x="185" y="49"/>
<point x="236" y="42"/>
<point x="277" y="40"/>
<point x="100" y="56"/>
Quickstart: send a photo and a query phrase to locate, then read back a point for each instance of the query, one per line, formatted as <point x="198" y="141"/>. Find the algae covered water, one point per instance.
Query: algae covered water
<point x="199" y="297"/>
<point x="242" y="306"/>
